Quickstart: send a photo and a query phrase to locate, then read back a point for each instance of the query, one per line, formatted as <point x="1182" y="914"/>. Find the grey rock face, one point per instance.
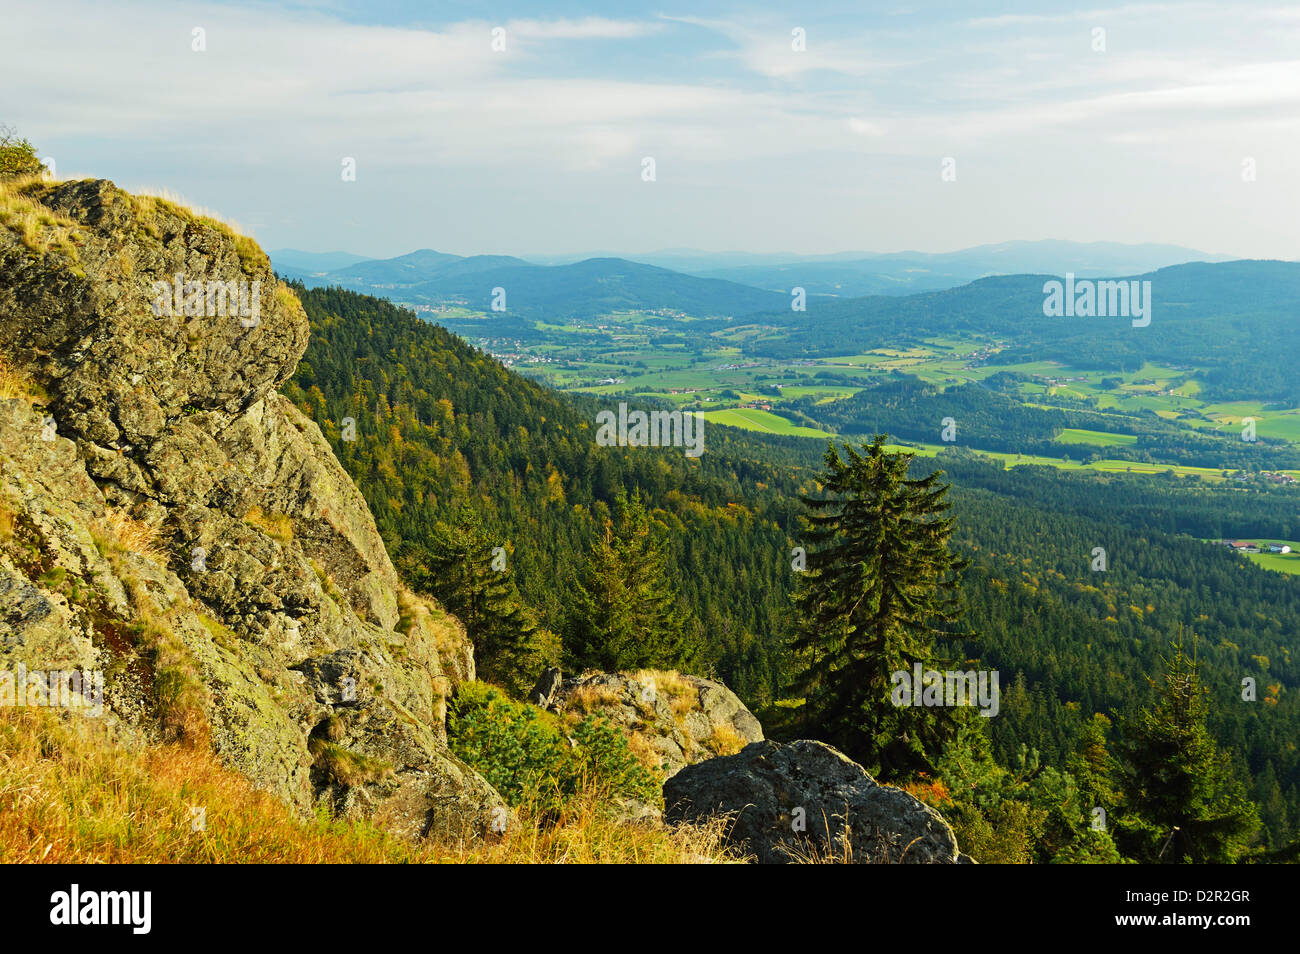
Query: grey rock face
<point x="543" y="694"/>
<point x="676" y="719"/>
<point x="806" y="801"/>
<point x="247" y="548"/>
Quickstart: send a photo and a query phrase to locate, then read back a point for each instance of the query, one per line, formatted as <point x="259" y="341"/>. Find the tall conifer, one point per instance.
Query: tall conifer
<point x="880" y="590"/>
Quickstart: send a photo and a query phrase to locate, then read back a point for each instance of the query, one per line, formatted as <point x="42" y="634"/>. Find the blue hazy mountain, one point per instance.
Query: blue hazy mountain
<point x="294" y="260"/>
<point x="580" y="289"/>
<point x="904" y="273"/>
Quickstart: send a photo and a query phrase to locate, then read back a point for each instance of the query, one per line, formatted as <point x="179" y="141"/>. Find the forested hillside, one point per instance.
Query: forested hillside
<point x="439" y="425"/>
<point x="593" y="287"/>
<point x="1214" y="316"/>
<point x="991" y="415"/>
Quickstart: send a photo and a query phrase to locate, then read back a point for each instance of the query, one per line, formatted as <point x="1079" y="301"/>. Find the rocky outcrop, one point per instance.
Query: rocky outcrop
<point x="805" y="801"/>
<point x="671" y="720"/>
<point x="548" y="683"/>
<point x="173" y="521"/>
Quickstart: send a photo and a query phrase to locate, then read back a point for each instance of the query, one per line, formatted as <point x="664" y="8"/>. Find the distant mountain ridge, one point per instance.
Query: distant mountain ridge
<point x="588" y="285"/>
<point x="313" y="262"/>
<point x="904" y="273"/>
<point x="423" y="266"/>
<point x="579" y="290"/>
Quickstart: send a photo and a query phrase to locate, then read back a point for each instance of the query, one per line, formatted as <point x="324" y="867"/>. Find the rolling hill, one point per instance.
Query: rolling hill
<point x="1212" y="316"/>
<point x="905" y="273"/>
<point x="579" y="290"/>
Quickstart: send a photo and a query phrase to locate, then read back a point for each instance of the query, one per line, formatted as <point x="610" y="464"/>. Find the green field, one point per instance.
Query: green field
<point x="758" y="420"/>
<point x="1074" y="435"/>
<point x="675" y="360"/>
<point x="1281" y="562"/>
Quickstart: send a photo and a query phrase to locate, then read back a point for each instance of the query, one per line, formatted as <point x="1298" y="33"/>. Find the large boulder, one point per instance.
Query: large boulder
<point x="170" y="519"/>
<point x="805" y="801"/>
<point x="671" y="719"/>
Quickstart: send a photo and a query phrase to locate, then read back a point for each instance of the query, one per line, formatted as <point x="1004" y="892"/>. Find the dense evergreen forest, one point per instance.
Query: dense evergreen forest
<point x="438" y="425"/>
<point x="441" y="436"/>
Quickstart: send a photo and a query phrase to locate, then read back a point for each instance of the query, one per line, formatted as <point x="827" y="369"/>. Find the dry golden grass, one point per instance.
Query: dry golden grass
<point x="39" y="228"/>
<point x="682" y="694"/>
<point x="811" y="852"/>
<point x="639" y="744"/>
<point x="287" y="299"/>
<point x="133" y="536"/>
<point x="150" y="199"/>
<point x="149" y="202"/>
<point x="585" y="833"/>
<point x="68" y="794"/>
<point x="6" y="523"/>
<point x="724" y="740"/>
<point x="591" y="697"/>
<point x="332" y="590"/>
<point x="180" y="692"/>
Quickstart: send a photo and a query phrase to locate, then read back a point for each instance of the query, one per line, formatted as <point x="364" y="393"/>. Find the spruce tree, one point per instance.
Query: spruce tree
<point x="1183" y="803"/>
<point x="881" y="588"/>
<point x="467" y="574"/>
<point x="624" y="612"/>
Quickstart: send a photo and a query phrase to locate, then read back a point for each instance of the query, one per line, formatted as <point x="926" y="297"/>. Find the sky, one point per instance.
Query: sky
<point x="926" y="126"/>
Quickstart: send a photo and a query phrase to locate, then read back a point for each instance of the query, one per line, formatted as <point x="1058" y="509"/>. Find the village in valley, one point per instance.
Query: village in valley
<point x="1244" y="546"/>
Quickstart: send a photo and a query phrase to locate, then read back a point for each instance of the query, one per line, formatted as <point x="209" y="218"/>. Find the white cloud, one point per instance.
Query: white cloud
<point x="765" y="46"/>
<point x="280" y="95"/>
<point x="586" y="28"/>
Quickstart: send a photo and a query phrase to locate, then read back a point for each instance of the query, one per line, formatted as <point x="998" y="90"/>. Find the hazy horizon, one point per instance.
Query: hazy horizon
<point x="773" y="257"/>
<point x="928" y="127"/>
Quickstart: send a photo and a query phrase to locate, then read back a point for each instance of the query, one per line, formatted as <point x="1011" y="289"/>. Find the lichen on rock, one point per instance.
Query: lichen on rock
<point x="671" y="719"/>
<point x="176" y="523"/>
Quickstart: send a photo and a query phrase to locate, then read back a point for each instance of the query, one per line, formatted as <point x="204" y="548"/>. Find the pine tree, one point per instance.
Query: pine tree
<point x="471" y="577"/>
<point x="624" y="612"/>
<point x="1183" y="802"/>
<point x="880" y="589"/>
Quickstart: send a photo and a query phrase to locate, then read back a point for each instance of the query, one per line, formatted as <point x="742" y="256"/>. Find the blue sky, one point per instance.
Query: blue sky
<point x="539" y="148"/>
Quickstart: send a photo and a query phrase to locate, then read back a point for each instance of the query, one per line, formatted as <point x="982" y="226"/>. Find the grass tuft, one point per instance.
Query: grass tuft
<point x="344" y="766"/>
<point x="129" y="535"/>
<point x="724" y="740"/>
<point x="39" y="228"/>
<point x="277" y="526"/>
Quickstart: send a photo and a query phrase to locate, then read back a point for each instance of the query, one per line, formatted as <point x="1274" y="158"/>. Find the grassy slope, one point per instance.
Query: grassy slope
<point x="70" y="795"/>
